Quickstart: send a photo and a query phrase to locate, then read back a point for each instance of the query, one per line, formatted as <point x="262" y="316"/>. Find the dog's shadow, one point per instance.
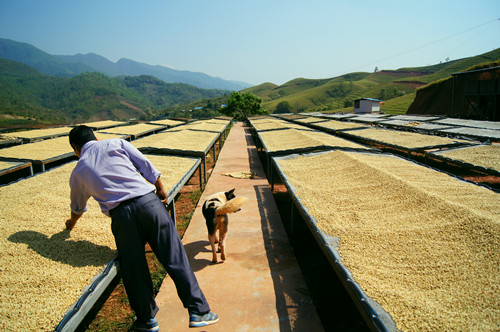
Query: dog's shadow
<point x="193" y="249"/>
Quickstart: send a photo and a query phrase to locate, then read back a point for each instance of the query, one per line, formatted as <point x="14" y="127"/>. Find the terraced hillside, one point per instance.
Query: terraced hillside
<point x="395" y="87"/>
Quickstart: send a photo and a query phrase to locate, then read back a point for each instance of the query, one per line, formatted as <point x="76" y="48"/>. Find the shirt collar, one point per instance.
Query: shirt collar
<point x="86" y="146"/>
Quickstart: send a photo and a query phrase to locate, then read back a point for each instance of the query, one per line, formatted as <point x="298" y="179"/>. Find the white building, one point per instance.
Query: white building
<point x="367" y="105"/>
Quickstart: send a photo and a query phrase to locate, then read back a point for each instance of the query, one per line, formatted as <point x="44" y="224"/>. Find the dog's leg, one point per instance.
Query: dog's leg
<point x="222" y="237"/>
<point x="221" y="247"/>
<point x="211" y="238"/>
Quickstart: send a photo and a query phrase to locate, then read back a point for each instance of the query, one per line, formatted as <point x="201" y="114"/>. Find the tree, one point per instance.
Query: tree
<point x="239" y="106"/>
<point x="283" y="107"/>
<point x="348" y="103"/>
<point x="381" y="94"/>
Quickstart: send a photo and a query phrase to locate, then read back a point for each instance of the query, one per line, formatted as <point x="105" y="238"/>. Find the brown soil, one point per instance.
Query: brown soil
<point x="489" y="180"/>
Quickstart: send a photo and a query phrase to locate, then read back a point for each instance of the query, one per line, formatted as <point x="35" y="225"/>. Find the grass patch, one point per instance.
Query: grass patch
<point x="195" y="196"/>
<point x="398" y="105"/>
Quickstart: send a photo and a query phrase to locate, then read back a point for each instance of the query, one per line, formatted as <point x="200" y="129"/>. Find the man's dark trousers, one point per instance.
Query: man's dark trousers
<point x="145" y="219"/>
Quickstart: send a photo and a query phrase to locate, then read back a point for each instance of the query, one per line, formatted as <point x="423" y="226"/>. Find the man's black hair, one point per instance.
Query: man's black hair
<point x="80" y="135"/>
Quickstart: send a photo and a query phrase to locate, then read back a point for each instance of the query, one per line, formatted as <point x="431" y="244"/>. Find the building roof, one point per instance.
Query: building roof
<point x="372" y="99"/>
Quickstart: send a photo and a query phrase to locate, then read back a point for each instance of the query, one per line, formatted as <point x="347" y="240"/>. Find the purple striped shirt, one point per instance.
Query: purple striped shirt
<point x="110" y="171"/>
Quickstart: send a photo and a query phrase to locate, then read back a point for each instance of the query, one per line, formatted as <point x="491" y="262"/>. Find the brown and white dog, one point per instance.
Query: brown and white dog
<point x="215" y="210"/>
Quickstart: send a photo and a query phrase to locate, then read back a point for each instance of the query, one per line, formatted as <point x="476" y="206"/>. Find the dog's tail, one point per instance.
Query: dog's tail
<point x="231" y="206"/>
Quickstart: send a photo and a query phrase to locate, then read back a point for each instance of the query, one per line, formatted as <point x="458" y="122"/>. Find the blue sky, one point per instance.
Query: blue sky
<point x="259" y="41"/>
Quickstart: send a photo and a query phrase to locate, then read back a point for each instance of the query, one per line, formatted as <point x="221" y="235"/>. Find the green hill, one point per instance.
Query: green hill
<point x="29" y="97"/>
<point x="395" y="87"/>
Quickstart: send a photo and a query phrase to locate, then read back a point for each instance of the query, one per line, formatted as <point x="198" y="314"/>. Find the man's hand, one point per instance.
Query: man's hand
<point x="160" y="191"/>
<point x="70" y="223"/>
<point x="162" y="195"/>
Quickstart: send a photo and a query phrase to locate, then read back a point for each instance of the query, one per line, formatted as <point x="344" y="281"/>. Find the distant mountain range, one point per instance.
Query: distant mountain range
<point x="72" y="65"/>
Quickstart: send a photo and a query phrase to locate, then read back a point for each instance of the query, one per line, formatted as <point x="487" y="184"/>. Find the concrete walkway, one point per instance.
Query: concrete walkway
<point x="259" y="287"/>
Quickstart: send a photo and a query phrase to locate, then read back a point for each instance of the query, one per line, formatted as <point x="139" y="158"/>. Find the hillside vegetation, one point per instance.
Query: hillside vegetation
<point x="29" y="97"/>
<point x="395" y="87"/>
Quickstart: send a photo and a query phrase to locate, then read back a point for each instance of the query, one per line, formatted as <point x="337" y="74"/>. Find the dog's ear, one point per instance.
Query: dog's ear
<point x="230" y="194"/>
